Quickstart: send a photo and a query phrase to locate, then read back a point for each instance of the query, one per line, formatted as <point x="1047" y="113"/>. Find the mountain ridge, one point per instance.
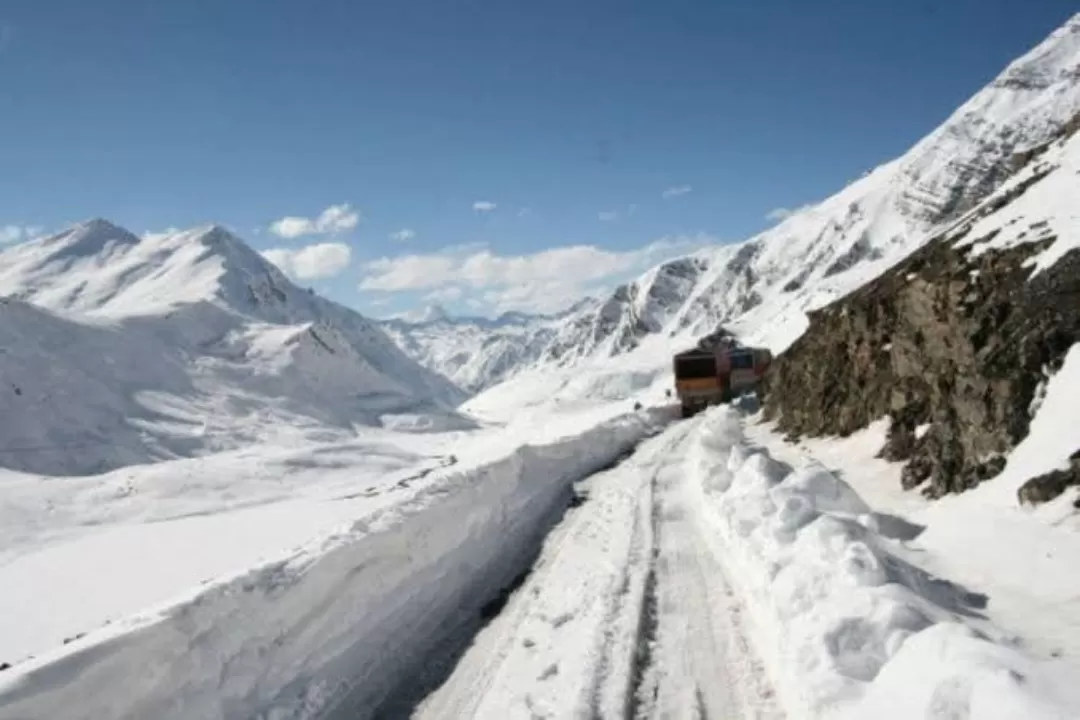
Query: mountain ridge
<point x="764" y="286"/>
<point x="184" y="343"/>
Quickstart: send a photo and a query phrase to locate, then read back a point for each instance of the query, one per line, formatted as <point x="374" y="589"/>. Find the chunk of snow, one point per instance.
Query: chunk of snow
<point x="848" y="627"/>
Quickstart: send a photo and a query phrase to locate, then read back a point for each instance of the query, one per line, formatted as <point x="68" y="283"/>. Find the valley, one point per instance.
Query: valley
<point x="223" y="495"/>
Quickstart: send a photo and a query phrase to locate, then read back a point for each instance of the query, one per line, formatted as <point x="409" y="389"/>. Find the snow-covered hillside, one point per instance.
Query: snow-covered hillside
<point x="764" y="286"/>
<point x="829" y="249"/>
<point x="119" y="349"/>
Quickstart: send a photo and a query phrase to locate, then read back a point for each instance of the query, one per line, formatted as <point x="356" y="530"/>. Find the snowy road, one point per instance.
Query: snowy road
<point x="626" y="614"/>
<point x="702" y="665"/>
<point x="695" y="577"/>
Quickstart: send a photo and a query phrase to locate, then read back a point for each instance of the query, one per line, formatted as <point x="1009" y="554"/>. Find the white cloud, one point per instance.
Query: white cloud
<point x="524" y="212"/>
<point x="321" y="260"/>
<point x="403" y="235"/>
<point x="541" y="282"/>
<point x="675" y="191"/>
<point x="409" y="272"/>
<point x="17" y="233"/>
<point x="332" y="220"/>
<point x="781" y="214"/>
<point x="484" y="206"/>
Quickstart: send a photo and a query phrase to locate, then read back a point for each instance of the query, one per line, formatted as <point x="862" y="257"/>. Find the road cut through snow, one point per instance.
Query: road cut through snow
<point x="334" y="630"/>
<point x="698" y="578"/>
<point x="626" y="614"/>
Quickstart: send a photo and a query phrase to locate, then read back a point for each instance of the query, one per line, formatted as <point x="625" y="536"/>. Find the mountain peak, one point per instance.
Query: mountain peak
<point x="89" y="237"/>
<point x="99" y="224"/>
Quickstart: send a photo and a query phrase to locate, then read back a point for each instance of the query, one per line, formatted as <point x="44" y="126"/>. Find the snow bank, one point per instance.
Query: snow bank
<point x="339" y="627"/>
<point x="847" y="626"/>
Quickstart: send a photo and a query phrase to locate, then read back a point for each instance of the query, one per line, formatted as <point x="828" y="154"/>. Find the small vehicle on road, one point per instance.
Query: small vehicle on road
<point x="718" y="370"/>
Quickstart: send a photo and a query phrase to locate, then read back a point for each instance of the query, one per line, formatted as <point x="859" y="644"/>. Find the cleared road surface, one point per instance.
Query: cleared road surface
<point x="626" y="614"/>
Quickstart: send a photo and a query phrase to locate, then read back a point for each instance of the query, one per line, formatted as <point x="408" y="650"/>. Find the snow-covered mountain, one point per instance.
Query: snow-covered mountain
<point x="823" y="252"/>
<point x="764" y="286"/>
<point x="132" y="349"/>
<point x="477" y="352"/>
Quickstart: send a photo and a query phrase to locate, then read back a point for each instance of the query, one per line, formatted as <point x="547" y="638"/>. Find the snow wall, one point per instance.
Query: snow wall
<point x="341" y="627"/>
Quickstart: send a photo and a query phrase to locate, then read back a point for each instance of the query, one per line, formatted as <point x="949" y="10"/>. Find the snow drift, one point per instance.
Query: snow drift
<point x="336" y="629"/>
<point x="848" y="626"/>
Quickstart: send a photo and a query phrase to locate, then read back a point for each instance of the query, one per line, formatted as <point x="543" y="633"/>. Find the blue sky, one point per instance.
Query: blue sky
<point x="525" y="147"/>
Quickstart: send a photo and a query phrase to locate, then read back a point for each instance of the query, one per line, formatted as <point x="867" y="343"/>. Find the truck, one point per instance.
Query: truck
<point x="718" y="370"/>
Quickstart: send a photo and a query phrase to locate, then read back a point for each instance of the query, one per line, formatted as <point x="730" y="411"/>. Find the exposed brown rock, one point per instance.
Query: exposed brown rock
<point x="960" y="343"/>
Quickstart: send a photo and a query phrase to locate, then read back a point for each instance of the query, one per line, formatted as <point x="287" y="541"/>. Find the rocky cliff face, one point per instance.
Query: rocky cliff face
<point x="955" y="342"/>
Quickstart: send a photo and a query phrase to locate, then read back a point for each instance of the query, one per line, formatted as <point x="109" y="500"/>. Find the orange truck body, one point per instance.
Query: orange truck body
<point x="710" y="376"/>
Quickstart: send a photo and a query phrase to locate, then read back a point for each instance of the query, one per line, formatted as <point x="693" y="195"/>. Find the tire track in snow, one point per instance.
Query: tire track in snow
<point x="631" y="621"/>
<point x="626" y="614"/>
<point x="698" y="660"/>
<point x="637" y="695"/>
<point x="563" y="644"/>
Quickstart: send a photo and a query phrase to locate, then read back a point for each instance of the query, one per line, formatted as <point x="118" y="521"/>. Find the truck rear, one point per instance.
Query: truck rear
<point x="710" y="376"/>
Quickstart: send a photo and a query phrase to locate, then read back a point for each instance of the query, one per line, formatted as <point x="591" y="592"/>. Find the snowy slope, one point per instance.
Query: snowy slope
<point x="831" y="248"/>
<point x="764" y="286"/>
<point x="136" y="349"/>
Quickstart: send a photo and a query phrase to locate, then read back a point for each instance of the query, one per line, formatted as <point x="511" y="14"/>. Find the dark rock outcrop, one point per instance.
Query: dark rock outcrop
<point x="952" y="345"/>
<point x="944" y="339"/>
<point x="1048" y="486"/>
